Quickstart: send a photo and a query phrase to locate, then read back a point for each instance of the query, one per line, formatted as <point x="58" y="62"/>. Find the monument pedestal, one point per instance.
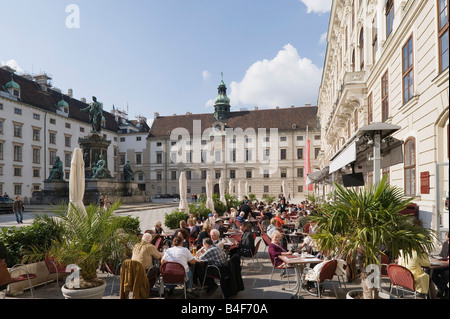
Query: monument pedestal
<point x="127" y="192"/>
<point x="55" y="192"/>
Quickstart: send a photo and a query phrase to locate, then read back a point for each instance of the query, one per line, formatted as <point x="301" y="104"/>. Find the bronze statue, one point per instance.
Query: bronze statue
<point x="128" y="174"/>
<point x="57" y="171"/>
<point x="95" y="115"/>
<point x="99" y="170"/>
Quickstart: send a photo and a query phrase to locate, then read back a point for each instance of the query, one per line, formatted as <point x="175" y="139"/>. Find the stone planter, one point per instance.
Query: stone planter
<point x="89" y="293"/>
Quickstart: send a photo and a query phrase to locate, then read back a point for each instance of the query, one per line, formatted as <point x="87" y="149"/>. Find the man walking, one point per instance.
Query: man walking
<point x="17" y="209"/>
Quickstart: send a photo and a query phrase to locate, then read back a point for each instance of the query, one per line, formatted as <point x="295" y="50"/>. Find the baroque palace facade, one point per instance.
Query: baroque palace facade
<point x="38" y="123"/>
<point x="386" y="72"/>
<point x="259" y="149"/>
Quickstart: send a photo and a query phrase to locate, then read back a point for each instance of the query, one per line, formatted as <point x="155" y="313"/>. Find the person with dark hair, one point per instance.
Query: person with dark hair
<point x="246" y="246"/>
<point x="210" y="254"/>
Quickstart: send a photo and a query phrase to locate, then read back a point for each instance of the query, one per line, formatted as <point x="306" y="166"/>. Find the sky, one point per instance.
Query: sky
<point x="167" y="56"/>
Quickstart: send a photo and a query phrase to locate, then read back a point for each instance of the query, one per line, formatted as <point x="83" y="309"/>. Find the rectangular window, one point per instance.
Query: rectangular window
<point x="266" y="189"/>
<point x="389" y="17"/>
<point x="188" y="175"/>
<point x="36" y="134"/>
<point x="410" y="167"/>
<point x="17" y="153"/>
<point x="203" y="174"/>
<point x="159" y="175"/>
<point x="248" y="173"/>
<point x="217" y="172"/>
<point x="232" y="173"/>
<point x="283" y="173"/>
<point x="443" y="13"/>
<point x="282" y="154"/>
<point x="384" y="97"/>
<point x="407" y="71"/>
<point x="173" y="174"/>
<point x="266" y="173"/>
<point x="17" y="130"/>
<point x="17" y="171"/>
<point x="299" y="153"/>
<point x="36" y="156"/>
<point x="52" y="138"/>
<point x="18" y="111"/>
<point x="158" y="158"/>
<point x="36" y="173"/>
<point x="67" y="141"/>
<point x="300" y="172"/>
<point x="370" y="108"/>
<point x="138" y="159"/>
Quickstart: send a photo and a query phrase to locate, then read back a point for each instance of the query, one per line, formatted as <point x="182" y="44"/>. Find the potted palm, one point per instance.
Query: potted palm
<point x="88" y="238"/>
<point x="366" y="222"/>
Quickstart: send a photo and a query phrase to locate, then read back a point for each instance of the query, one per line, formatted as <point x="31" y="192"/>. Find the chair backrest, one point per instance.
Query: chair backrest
<point x="328" y="270"/>
<point x="384" y="262"/>
<point x="266" y="239"/>
<point x="306" y="229"/>
<point x="172" y="273"/>
<point x="257" y="247"/>
<point x="158" y="243"/>
<point x="53" y="266"/>
<point x="401" y="276"/>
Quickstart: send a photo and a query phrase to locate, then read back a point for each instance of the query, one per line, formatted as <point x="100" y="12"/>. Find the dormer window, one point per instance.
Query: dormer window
<point x="13" y="87"/>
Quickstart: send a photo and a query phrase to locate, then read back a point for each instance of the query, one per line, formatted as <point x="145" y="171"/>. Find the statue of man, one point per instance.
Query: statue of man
<point x="95" y="115"/>
<point x="57" y="170"/>
<point x="99" y="171"/>
<point x="128" y="174"/>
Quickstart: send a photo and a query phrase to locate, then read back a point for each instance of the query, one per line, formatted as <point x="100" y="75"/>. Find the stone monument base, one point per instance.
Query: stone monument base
<point x="57" y="192"/>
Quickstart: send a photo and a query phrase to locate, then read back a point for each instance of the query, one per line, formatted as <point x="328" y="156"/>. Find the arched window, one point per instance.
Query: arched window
<point x="361" y="48"/>
<point x="353" y="60"/>
<point x="410" y="166"/>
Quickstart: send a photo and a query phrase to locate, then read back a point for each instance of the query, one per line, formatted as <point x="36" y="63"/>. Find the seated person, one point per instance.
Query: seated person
<point x="194" y="230"/>
<point x="414" y="263"/>
<point x="145" y="253"/>
<point x="210" y="254"/>
<point x="158" y="228"/>
<point x="220" y="227"/>
<point x="241" y="217"/>
<point x="215" y="237"/>
<point x="246" y="246"/>
<point x="276" y="249"/>
<point x="204" y="233"/>
<point x="313" y="274"/>
<point x="182" y="255"/>
<point x="280" y="219"/>
<point x="272" y="227"/>
<point x="440" y="276"/>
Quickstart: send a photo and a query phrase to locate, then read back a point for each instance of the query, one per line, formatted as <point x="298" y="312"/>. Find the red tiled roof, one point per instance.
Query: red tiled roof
<point x="32" y="94"/>
<point x="281" y="118"/>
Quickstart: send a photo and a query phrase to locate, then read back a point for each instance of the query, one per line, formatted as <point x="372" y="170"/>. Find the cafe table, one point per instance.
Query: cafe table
<point x="436" y="262"/>
<point x="299" y="262"/>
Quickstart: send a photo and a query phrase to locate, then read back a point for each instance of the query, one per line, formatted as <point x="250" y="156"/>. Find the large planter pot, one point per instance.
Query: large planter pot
<point x="88" y="293"/>
<point x="352" y="293"/>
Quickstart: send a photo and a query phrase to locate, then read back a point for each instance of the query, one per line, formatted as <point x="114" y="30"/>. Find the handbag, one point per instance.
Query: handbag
<point x="5" y="276"/>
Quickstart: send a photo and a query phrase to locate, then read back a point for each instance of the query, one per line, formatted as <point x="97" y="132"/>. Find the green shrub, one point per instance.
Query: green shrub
<point x="19" y="241"/>
<point x="172" y="220"/>
<point x="129" y="224"/>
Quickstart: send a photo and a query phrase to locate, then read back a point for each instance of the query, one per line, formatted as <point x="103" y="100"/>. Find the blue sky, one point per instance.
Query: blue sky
<point x="166" y="55"/>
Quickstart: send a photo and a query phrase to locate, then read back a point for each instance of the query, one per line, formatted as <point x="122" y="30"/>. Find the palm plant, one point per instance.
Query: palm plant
<point x="89" y="238"/>
<point x="367" y="222"/>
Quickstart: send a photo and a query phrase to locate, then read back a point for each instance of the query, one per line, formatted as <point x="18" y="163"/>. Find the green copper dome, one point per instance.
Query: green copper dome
<point x="12" y="84"/>
<point x="62" y="104"/>
<point x="222" y="103"/>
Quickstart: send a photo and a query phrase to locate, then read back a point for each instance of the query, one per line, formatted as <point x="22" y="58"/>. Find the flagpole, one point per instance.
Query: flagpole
<point x="306" y="168"/>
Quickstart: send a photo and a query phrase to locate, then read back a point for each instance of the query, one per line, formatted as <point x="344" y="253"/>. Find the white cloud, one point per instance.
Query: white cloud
<point x="323" y="38"/>
<point x="206" y="75"/>
<point x="317" y="6"/>
<point x="14" y="65"/>
<point x="285" y="80"/>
